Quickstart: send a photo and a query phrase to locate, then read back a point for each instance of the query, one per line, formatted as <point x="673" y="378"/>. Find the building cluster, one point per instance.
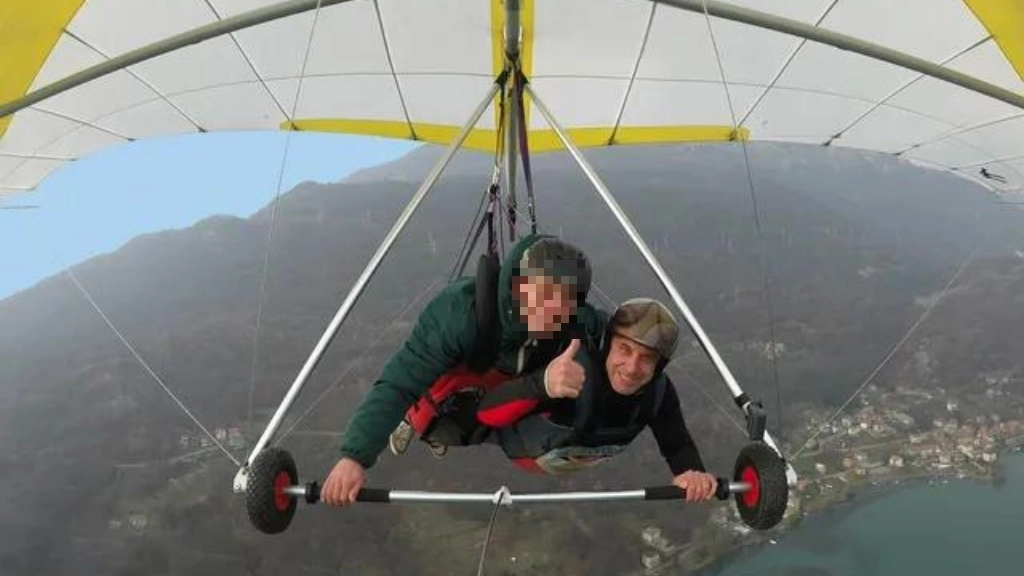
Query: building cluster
<point x="868" y="423"/>
<point x="952" y="440"/>
<point x="231" y="437"/>
<point x="956" y="441"/>
<point x="658" y="552"/>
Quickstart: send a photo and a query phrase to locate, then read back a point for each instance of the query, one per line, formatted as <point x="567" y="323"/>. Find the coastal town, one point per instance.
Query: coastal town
<point x="884" y="438"/>
<point x="909" y="433"/>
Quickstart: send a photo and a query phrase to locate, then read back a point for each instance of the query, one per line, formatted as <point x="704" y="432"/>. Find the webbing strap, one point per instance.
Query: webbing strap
<point x="524" y="151"/>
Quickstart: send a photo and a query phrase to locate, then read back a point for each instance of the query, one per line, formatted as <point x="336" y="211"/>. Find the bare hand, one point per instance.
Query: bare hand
<point x="699" y="486"/>
<point x="343" y="483"/>
<point x="564" y="376"/>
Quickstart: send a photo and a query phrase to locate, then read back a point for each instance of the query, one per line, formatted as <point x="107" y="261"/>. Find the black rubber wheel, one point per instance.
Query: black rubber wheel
<point x="270" y="509"/>
<point x="763" y="506"/>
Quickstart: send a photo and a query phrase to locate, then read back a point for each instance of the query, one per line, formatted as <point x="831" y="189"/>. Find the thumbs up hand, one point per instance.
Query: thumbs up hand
<point x="564" y="377"/>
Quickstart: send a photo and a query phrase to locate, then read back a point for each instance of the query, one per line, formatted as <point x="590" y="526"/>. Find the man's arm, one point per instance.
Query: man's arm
<point x="507" y="403"/>
<point x="674" y="440"/>
<point x="545" y="388"/>
<point x="439" y="341"/>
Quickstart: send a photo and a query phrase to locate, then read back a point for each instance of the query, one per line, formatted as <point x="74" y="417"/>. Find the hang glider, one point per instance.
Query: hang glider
<point x="936" y="82"/>
<point x="612" y="71"/>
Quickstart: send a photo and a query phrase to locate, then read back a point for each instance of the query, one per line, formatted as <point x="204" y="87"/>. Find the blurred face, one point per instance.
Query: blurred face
<point x="630" y="365"/>
<point x="544" y="306"/>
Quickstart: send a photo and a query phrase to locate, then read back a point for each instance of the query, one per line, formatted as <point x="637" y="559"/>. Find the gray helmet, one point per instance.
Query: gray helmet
<point x="560" y="260"/>
<point x="648" y="322"/>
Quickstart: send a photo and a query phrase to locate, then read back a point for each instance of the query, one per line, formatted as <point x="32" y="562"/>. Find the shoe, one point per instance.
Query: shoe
<point x="399" y="440"/>
<point x="438" y="450"/>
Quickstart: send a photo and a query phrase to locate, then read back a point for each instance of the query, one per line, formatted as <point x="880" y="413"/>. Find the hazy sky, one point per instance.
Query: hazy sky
<point x="98" y="203"/>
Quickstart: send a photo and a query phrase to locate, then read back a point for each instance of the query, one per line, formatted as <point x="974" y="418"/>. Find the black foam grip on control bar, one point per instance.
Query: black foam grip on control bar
<point x="664" y="493"/>
<point x="671" y="492"/>
<point x="365" y="494"/>
<point x="374" y="495"/>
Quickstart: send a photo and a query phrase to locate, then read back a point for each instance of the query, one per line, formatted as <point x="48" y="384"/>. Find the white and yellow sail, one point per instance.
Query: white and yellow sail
<point x="612" y="72"/>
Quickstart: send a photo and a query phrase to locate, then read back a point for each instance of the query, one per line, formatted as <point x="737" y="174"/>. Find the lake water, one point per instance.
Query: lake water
<point x="960" y="528"/>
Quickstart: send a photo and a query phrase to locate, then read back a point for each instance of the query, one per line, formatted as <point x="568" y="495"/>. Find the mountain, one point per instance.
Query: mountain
<point x="101" y="461"/>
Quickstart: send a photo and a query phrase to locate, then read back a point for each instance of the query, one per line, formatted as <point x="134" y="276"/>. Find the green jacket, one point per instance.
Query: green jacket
<point x="442" y="339"/>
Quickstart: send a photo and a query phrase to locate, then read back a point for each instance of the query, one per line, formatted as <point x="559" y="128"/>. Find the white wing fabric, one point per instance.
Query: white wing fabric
<point x="612" y="72"/>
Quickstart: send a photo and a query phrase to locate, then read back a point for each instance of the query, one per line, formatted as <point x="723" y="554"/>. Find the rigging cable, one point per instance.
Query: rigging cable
<point x="337" y="381"/>
<point x="147" y="368"/>
<point x="487" y="538"/>
<point x="763" y="249"/>
<point x="273" y="221"/>
<point x="928" y="310"/>
<point x="487" y="219"/>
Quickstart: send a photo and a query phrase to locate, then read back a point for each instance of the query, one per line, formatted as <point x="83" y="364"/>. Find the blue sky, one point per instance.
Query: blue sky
<point x="98" y="203"/>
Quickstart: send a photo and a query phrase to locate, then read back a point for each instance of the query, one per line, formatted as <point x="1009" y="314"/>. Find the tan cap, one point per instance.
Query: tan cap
<point x="648" y="322"/>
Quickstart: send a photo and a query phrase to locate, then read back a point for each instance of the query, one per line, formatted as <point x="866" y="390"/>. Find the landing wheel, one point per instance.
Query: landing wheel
<point x="763" y="505"/>
<point x="271" y="509"/>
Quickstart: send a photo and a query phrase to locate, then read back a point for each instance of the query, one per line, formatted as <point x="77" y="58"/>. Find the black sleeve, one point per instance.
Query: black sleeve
<point x="674" y="440"/>
<point x="525" y="387"/>
<point x="508" y="402"/>
<point x="512" y="400"/>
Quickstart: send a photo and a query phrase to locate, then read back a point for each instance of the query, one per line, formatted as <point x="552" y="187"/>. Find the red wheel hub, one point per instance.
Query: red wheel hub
<point x="281" y="499"/>
<point x="753" y="496"/>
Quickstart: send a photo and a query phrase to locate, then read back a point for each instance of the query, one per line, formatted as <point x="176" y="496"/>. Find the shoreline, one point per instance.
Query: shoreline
<point x="857" y="495"/>
<point x="832" y="512"/>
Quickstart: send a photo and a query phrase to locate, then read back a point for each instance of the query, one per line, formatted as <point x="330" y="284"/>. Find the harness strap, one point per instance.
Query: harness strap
<point x="524" y="151"/>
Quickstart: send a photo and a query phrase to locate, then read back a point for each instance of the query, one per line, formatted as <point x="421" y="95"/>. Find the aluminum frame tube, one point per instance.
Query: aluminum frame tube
<point x="194" y="36"/>
<point x="513" y="34"/>
<point x="363" y="279"/>
<point x="506" y="497"/>
<point x="845" y="42"/>
<point x="513" y="29"/>
<point x="599" y="496"/>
